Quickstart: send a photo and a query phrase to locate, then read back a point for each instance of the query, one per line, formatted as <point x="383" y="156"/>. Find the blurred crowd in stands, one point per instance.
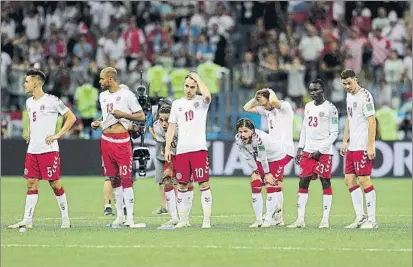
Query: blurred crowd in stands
<point x="236" y="47"/>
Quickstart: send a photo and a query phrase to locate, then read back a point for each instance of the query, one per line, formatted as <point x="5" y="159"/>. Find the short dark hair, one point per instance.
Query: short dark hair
<point x="262" y="93"/>
<point x="244" y="122"/>
<point x="165" y="109"/>
<point x="348" y="73"/>
<point x="37" y="73"/>
<point x="321" y="83"/>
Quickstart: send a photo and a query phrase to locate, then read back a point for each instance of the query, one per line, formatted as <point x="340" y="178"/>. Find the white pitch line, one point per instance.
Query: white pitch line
<point x="201" y="216"/>
<point x="207" y="247"/>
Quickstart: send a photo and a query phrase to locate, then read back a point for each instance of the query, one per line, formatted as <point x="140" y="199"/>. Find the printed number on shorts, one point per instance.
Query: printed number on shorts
<point x="189" y="115"/>
<point x="109" y="107"/>
<point x="199" y="172"/>
<point x="320" y="167"/>
<point x="50" y="171"/>
<point x="34" y="116"/>
<point x="312" y="121"/>
<point x="123" y="170"/>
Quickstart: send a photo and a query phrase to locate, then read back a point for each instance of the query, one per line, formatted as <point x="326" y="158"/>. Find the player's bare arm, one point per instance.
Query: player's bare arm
<point x="137" y="116"/>
<point x="169" y="137"/>
<point x="70" y="118"/>
<point x="301" y="141"/>
<point x="206" y="95"/>
<point x="274" y="101"/>
<point x="250" y="106"/>
<point x="96" y="124"/>
<point x="346" y="136"/>
<point x="371" y="153"/>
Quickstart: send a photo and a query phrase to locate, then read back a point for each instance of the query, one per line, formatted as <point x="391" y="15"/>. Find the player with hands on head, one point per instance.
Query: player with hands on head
<point x="188" y="117"/>
<point x="315" y="151"/>
<point x="358" y="148"/>
<point x="43" y="159"/>
<point x="267" y="159"/>
<point x="120" y="108"/>
<point x="280" y="118"/>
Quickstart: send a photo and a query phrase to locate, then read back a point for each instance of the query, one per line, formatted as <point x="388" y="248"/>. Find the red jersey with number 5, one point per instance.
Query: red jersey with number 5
<point x="191" y="117"/>
<point x="360" y="106"/>
<point x="43" y="114"/>
<point x="320" y="128"/>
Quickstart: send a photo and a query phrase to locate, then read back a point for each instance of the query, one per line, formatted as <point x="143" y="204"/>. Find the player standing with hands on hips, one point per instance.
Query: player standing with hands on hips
<point x="315" y="150"/>
<point x="189" y="114"/>
<point x="358" y="148"/>
<point x="119" y="108"/>
<point x="43" y="158"/>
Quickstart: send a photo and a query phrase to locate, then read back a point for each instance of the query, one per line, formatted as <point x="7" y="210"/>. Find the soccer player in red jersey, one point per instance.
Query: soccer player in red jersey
<point x="315" y="150"/>
<point x="189" y="114"/>
<point x="43" y="158"/>
<point x="358" y="148"/>
<point x="119" y="108"/>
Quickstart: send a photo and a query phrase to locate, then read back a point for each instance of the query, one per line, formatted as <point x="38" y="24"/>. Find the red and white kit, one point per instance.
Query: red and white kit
<point x="280" y="125"/>
<point x="116" y="149"/>
<point x="264" y="154"/>
<point x="319" y="131"/>
<point x="191" y="152"/>
<point x="359" y="107"/>
<point x="43" y="160"/>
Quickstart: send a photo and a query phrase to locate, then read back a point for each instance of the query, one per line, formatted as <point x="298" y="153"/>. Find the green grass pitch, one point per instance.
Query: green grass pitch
<point x="228" y="243"/>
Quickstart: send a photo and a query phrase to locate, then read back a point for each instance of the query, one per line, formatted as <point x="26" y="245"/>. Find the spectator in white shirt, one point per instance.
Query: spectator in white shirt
<point x="381" y="21"/>
<point x="8" y="26"/>
<point x="407" y="63"/>
<point x="396" y="33"/>
<point x="223" y="20"/>
<point x="393" y="71"/>
<point x="33" y="23"/>
<point x="310" y="48"/>
<point x="114" y="48"/>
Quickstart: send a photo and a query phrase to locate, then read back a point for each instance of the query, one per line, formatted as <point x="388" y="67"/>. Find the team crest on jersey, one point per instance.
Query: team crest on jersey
<point x="42" y="107"/>
<point x="354" y="104"/>
<point x="196" y="105"/>
<point x="179" y="109"/>
<point x="118" y="99"/>
<point x="308" y="111"/>
<point x="321" y="114"/>
<point x="104" y="100"/>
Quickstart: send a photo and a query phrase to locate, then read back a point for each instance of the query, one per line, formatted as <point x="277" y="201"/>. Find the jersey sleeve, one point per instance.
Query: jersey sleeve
<point x="333" y="129"/>
<point x="301" y="142"/>
<point x="285" y="107"/>
<point x="261" y="110"/>
<point x="246" y="154"/>
<point x="173" y="117"/>
<point x="368" y="105"/>
<point x="262" y="145"/>
<point x="61" y="107"/>
<point x="133" y="103"/>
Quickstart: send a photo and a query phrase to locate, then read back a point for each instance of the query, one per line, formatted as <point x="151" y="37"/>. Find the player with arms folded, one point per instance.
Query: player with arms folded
<point x="119" y="108"/>
<point x="43" y="158"/>
<point x="280" y="117"/>
<point x="189" y="114"/>
<point x="267" y="159"/>
<point x="315" y="150"/>
<point x="358" y="147"/>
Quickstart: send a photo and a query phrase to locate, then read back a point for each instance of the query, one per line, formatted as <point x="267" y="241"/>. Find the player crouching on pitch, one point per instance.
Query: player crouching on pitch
<point x="267" y="159"/>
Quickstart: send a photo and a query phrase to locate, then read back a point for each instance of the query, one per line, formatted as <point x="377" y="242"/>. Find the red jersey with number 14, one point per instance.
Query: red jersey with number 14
<point x="43" y="114"/>
<point x="191" y="117"/>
